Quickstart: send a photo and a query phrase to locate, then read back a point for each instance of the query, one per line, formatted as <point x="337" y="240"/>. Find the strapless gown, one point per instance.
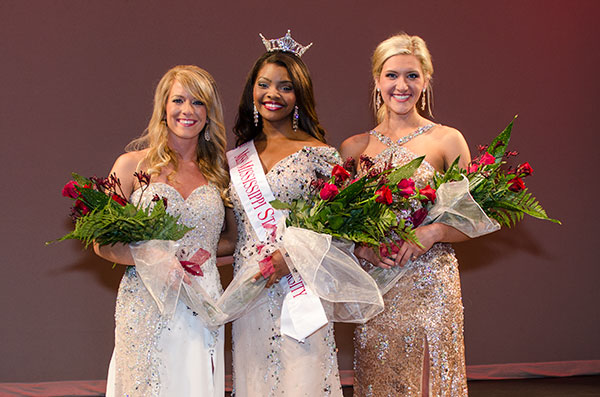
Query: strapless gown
<point x="265" y="362"/>
<point x="155" y="356"/>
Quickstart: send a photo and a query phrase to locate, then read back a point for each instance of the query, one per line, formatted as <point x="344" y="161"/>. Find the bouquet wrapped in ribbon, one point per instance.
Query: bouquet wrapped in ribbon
<point x="382" y="208"/>
<point x="102" y="215"/>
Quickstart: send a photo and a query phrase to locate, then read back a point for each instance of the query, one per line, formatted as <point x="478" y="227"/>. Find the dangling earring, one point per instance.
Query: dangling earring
<point x="255" y="115"/>
<point x="377" y="99"/>
<point x="206" y="134"/>
<point x="423" y="99"/>
<point x="295" y="118"/>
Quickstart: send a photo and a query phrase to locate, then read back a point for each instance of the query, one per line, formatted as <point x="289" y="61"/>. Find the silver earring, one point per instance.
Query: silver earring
<point x="206" y="133"/>
<point x="255" y="115"/>
<point x="423" y="100"/>
<point x="377" y="99"/>
<point x="295" y="119"/>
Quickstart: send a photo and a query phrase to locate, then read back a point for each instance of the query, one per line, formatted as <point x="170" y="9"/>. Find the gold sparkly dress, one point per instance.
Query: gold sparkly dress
<point x="265" y="362"/>
<point x="424" y="308"/>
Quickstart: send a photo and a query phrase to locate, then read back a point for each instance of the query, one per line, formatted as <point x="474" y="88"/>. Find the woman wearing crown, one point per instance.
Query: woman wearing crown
<point x="278" y="131"/>
<point x="415" y="346"/>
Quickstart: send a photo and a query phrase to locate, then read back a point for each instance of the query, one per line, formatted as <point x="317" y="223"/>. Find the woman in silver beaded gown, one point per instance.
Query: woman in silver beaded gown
<point x="265" y="362"/>
<point x="183" y="151"/>
<point x="415" y="346"/>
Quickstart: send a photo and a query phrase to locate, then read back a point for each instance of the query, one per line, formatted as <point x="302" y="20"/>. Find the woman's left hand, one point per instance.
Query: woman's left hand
<point x="280" y="268"/>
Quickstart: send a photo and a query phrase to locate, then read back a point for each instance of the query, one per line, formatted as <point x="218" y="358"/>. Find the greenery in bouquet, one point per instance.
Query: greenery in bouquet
<point x="382" y="206"/>
<point x="104" y="216"/>
<point x="497" y="188"/>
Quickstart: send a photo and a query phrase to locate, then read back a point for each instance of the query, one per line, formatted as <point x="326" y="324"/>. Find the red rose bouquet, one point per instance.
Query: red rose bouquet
<point x="104" y="216"/>
<point x="362" y="210"/>
<point x="498" y="190"/>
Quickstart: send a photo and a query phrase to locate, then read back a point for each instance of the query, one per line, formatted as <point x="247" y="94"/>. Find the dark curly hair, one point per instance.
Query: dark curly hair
<point x="244" y="128"/>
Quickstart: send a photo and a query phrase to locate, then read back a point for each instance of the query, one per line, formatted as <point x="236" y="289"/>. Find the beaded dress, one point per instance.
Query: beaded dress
<point x="424" y="307"/>
<point x="266" y="363"/>
<point x="155" y="356"/>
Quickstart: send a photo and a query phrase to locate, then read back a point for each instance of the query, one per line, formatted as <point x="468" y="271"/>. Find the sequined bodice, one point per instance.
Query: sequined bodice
<point x="289" y="179"/>
<point x="204" y="211"/>
<point x="400" y="155"/>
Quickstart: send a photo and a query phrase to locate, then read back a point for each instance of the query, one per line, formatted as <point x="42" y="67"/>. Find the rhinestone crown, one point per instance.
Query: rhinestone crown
<point x="285" y="44"/>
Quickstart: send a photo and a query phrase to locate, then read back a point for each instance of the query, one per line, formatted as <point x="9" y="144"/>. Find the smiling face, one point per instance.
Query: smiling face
<point x="273" y="93"/>
<point x="401" y="83"/>
<point x="185" y="114"/>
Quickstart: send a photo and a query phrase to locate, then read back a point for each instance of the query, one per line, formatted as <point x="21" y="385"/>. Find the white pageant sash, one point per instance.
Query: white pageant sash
<point x="250" y="182"/>
<point x="302" y="312"/>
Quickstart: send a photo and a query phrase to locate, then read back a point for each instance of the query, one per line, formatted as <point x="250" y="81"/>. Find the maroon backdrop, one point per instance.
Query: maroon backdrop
<point x="77" y="79"/>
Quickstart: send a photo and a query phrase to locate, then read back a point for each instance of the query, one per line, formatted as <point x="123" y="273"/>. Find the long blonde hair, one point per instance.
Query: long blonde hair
<point x="403" y="44"/>
<point x="210" y="154"/>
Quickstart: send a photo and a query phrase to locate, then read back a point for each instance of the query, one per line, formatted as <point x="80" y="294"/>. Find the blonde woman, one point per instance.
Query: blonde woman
<point x="415" y="347"/>
<point x="183" y="151"/>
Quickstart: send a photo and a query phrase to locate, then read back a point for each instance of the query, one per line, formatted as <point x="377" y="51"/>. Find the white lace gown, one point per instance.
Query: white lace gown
<point x="266" y="363"/>
<point x="154" y="356"/>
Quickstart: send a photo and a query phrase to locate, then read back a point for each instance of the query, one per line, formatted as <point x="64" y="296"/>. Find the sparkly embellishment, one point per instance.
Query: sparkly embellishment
<point x="424" y="307"/>
<point x="139" y="325"/>
<point x="386" y="140"/>
<point x="285" y="44"/>
<point x="265" y="363"/>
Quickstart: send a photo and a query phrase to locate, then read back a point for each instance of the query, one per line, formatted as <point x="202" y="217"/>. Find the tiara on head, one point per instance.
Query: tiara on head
<point x="285" y="44"/>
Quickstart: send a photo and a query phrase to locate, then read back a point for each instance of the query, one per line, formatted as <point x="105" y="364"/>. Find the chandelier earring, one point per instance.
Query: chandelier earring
<point x="206" y="133"/>
<point x="295" y="118"/>
<point x="423" y="99"/>
<point x="377" y="99"/>
<point x="255" y="111"/>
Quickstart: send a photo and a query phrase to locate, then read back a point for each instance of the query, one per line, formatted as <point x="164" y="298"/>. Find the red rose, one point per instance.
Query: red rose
<point x="383" y="195"/>
<point x="81" y="207"/>
<point x="429" y="193"/>
<point x="395" y="248"/>
<point x="487" y="159"/>
<point x="419" y="216"/>
<point x="119" y="199"/>
<point x="329" y="191"/>
<point x="70" y="190"/>
<point x="406" y="187"/>
<point x="473" y="167"/>
<point x="339" y="173"/>
<point x="516" y="185"/>
<point x="524" y="170"/>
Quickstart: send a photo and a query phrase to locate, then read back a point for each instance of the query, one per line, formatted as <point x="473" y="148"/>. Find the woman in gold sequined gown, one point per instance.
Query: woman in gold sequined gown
<point x="183" y="151"/>
<point x="265" y="362"/>
<point x="415" y="347"/>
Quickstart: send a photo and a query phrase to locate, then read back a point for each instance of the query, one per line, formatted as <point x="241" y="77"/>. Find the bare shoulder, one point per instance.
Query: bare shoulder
<point x="454" y="144"/>
<point x="128" y="162"/>
<point x="448" y="134"/>
<point x="355" y="145"/>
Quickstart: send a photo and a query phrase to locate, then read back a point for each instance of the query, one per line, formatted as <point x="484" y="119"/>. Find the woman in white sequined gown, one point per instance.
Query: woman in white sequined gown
<point x="415" y="346"/>
<point x="183" y="151"/>
<point x="265" y="362"/>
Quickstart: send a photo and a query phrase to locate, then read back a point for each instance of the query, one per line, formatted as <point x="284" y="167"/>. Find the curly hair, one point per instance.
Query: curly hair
<point x="210" y="154"/>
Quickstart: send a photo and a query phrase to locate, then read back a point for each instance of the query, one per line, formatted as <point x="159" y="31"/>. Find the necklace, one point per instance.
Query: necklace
<point x="389" y="142"/>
